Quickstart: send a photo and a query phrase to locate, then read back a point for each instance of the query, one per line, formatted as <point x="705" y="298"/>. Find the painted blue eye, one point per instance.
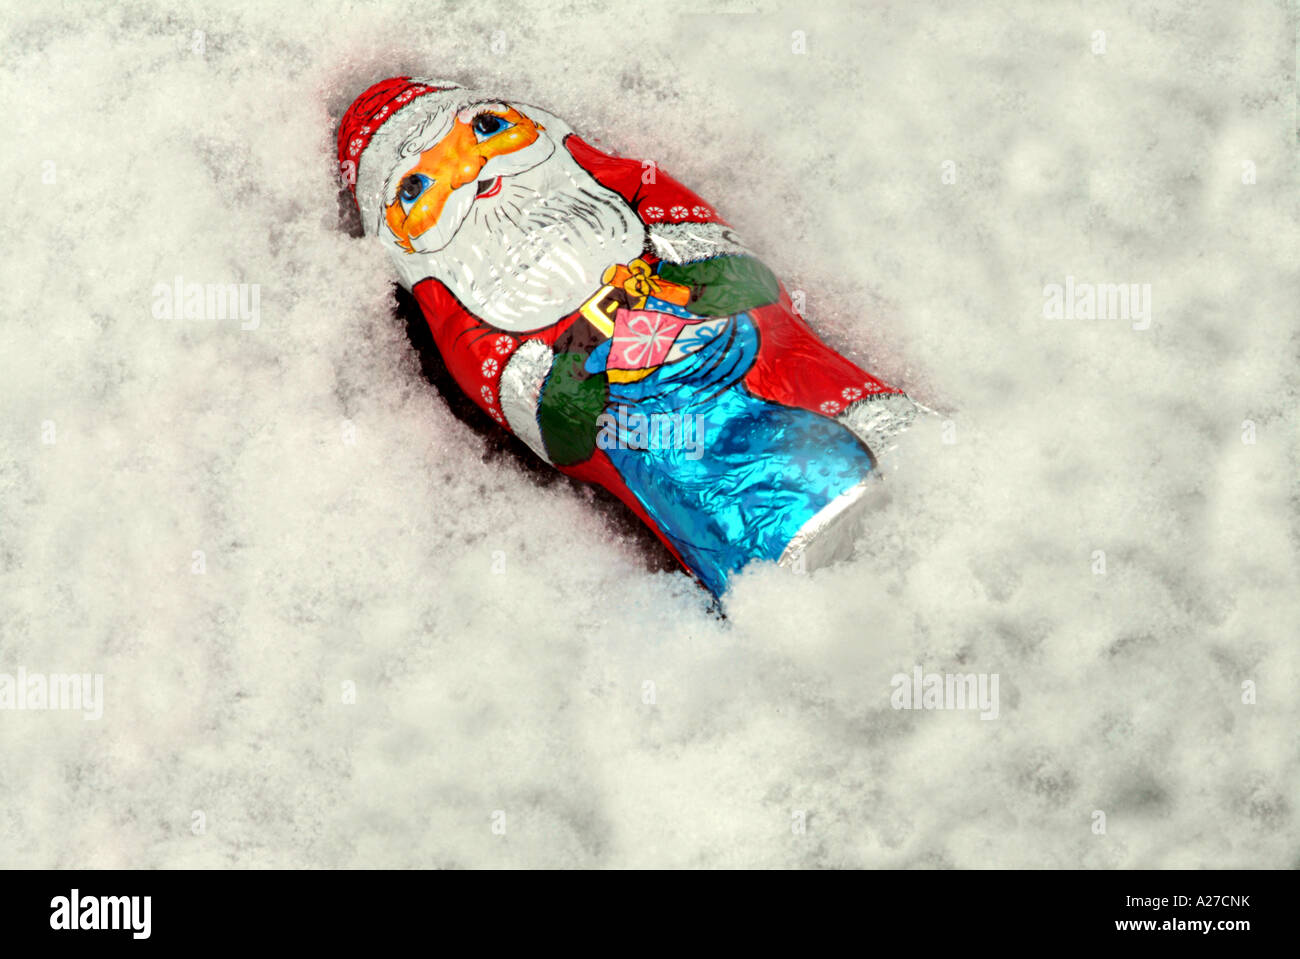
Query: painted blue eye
<point x="410" y="189"/>
<point x="487" y="125"/>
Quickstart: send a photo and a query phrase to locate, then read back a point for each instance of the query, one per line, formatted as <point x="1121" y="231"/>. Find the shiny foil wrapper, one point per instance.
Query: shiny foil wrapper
<point x="611" y="319"/>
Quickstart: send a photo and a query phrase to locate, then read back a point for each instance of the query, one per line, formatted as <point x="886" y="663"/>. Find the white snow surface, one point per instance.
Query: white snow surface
<point x="500" y="635"/>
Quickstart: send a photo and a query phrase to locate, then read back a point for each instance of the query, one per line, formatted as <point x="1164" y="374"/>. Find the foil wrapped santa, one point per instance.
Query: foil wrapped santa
<point x="613" y="321"/>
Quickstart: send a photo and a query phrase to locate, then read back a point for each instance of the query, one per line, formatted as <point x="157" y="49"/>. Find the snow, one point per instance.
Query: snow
<point x="500" y="631"/>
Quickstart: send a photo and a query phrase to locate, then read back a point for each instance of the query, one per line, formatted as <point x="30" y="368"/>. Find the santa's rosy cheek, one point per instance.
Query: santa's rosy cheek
<point x="394" y="217"/>
<point x="516" y="138"/>
<point x="424" y="215"/>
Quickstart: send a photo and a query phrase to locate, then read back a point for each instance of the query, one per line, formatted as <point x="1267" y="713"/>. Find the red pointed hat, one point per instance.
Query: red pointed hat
<point x="369" y="112"/>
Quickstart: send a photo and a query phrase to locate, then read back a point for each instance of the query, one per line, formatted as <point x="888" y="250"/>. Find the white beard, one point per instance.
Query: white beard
<point x="535" y="252"/>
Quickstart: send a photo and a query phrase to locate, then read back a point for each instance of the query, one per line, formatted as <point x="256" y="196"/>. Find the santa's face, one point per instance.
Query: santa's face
<point x="433" y="197"/>
<point x="486" y="199"/>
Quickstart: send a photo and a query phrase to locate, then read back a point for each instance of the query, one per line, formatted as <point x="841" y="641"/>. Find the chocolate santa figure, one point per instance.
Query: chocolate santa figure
<point x="608" y="317"/>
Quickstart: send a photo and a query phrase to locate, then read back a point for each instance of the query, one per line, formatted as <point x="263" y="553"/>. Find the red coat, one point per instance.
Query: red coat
<point x="793" y="367"/>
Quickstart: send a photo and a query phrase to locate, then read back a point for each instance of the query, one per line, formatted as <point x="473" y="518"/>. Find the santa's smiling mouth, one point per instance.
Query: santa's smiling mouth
<point x="488" y="188"/>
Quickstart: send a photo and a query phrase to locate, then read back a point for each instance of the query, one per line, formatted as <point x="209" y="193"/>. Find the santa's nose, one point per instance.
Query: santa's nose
<point x="466" y="170"/>
<point x="465" y="159"/>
